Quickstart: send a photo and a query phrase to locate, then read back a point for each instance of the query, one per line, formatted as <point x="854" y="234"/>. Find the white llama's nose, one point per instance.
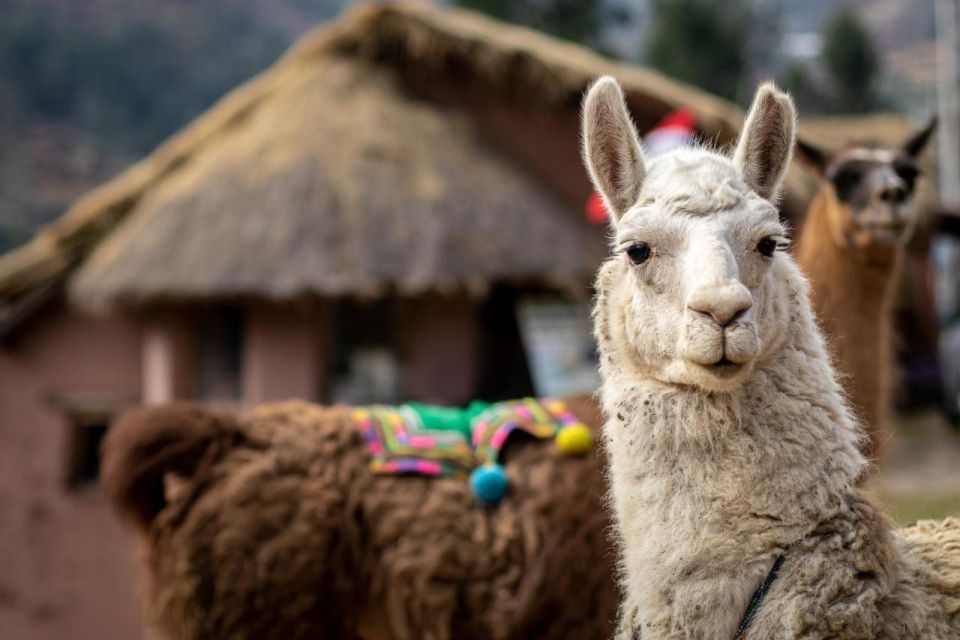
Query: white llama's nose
<point x="725" y="303"/>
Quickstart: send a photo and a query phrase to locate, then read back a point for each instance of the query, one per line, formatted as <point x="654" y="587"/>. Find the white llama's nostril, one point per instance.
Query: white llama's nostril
<point x="725" y="304"/>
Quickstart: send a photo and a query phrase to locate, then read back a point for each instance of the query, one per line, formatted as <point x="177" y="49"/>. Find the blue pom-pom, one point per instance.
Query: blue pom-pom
<point x="489" y="483"/>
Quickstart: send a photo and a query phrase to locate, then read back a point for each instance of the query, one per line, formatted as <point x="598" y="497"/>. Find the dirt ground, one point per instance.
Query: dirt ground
<point x="920" y="474"/>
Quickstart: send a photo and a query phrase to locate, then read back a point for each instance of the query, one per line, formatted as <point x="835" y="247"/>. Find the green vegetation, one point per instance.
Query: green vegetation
<point x="851" y="59"/>
<point x="918" y="477"/>
<point x="582" y="21"/>
<point x="702" y="42"/>
<point x="928" y="507"/>
<point x="846" y="76"/>
<point x="724" y="46"/>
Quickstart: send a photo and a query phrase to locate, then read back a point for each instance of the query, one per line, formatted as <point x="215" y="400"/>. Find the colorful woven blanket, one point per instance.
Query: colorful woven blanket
<point x="440" y="441"/>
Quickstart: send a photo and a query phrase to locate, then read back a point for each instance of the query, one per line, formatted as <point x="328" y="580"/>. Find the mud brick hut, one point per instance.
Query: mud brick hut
<point x="357" y="223"/>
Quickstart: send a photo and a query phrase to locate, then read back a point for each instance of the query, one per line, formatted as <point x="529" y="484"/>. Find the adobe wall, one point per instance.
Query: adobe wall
<point x="439" y="342"/>
<point x="284" y="353"/>
<point x="66" y="566"/>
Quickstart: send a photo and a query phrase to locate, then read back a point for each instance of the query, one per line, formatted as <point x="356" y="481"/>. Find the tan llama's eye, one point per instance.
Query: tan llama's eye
<point x="638" y="252"/>
<point x="767" y="246"/>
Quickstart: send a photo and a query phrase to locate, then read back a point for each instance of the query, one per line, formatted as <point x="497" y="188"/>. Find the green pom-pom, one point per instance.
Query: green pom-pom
<point x="489" y="483"/>
<point x="574" y="439"/>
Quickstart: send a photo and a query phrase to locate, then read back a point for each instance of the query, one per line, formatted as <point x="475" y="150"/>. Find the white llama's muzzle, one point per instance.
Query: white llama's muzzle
<point x="719" y="338"/>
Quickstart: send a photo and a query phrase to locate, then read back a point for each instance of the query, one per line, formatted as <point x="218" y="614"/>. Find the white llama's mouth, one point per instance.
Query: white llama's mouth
<point x="724" y="368"/>
<point x="721" y="375"/>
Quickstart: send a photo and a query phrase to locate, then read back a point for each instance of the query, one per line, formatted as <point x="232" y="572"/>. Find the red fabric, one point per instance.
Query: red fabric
<point x="682" y="118"/>
<point x="596" y="210"/>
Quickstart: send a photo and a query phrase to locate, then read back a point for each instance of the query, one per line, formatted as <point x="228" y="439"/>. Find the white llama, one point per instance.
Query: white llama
<point x="733" y="459"/>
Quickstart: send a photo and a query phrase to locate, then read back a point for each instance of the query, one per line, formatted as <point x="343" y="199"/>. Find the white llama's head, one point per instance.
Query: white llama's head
<point x="696" y="289"/>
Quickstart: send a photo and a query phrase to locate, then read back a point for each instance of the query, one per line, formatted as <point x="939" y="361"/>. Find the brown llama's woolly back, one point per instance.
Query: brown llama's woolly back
<point x="271" y="524"/>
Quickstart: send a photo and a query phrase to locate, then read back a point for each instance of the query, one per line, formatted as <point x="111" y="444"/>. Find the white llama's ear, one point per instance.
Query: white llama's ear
<point x="611" y="148"/>
<point x="766" y="142"/>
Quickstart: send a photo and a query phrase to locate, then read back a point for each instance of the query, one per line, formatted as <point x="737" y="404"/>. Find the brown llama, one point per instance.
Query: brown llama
<point x="272" y="524"/>
<point x="851" y="248"/>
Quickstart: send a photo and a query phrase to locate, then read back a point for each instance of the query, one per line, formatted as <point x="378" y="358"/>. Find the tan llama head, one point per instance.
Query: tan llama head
<point x="694" y="293"/>
<point x="872" y="189"/>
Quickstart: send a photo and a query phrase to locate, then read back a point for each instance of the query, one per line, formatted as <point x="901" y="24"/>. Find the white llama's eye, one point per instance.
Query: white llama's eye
<point x="638" y="252"/>
<point x="767" y="246"/>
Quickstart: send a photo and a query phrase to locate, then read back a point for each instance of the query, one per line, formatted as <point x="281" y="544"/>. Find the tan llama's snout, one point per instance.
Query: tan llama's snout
<point x="887" y="216"/>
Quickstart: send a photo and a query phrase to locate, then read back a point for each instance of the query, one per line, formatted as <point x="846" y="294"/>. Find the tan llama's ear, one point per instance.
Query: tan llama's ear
<point x="766" y="142"/>
<point x="918" y="141"/>
<point x="814" y="156"/>
<point x="611" y="148"/>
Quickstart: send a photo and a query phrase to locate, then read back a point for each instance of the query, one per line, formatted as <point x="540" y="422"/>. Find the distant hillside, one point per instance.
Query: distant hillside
<point x="88" y="87"/>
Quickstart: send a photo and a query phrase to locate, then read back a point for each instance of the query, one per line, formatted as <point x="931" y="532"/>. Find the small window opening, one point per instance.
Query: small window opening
<point x="221" y="335"/>
<point x="84" y="465"/>
<point x="364" y="367"/>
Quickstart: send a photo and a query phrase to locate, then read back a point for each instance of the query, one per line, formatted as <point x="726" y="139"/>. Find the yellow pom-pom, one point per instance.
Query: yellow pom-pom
<point x="574" y="439"/>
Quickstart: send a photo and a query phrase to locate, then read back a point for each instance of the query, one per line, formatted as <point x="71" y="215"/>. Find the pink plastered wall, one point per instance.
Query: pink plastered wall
<point x="168" y="355"/>
<point x="66" y="563"/>
<point x="284" y="353"/>
<point x="438" y="350"/>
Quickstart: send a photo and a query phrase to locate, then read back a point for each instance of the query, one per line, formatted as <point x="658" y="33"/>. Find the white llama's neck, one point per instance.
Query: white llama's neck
<point x="710" y="487"/>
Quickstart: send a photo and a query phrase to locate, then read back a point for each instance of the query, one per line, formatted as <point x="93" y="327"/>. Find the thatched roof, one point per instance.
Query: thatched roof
<point x="833" y="131"/>
<point x="325" y="176"/>
<point x="335" y="185"/>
